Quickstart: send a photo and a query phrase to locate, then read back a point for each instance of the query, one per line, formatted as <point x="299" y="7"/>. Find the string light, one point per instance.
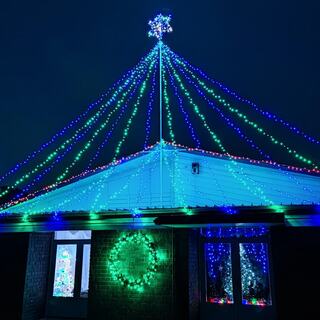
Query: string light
<point x="230" y="123"/>
<point x="268" y="115"/>
<point x="114" y="123"/>
<point x="41" y="194"/>
<point x="118" y="268"/>
<point x="60" y="157"/>
<point x="74" y="122"/>
<point x="133" y="114"/>
<point x="104" y="124"/>
<point x="233" y="126"/>
<point x="160" y="25"/>
<point x="122" y="95"/>
<point x="253" y="124"/>
<point x="116" y="193"/>
<point x="231" y="232"/>
<point x="183" y="111"/>
<point x="149" y="111"/>
<point x="257" y="191"/>
<point x="219" y="273"/>
<point x="167" y="106"/>
<point x="89" y="122"/>
<point x="254" y="274"/>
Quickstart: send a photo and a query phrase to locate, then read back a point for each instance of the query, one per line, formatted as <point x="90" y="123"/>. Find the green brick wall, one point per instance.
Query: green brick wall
<point x="108" y="299"/>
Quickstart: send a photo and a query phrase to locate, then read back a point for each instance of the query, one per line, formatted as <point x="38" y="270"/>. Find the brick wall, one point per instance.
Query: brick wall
<point x="35" y="289"/>
<point x="167" y="297"/>
<point x="110" y="300"/>
<point x="193" y="269"/>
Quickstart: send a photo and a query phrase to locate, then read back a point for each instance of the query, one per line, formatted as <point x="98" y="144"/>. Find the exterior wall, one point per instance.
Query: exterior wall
<point x="296" y="264"/>
<point x="175" y="291"/>
<point x="13" y="262"/>
<point x="35" y="289"/>
<point x="193" y="272"/>
<point x="109" y="300"/>
<point x="168" y="295"/>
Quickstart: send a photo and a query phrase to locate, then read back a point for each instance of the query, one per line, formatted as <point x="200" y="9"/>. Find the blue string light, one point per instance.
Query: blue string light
<point x="74" y="122"/>
<point x="183" y="111"/>
<point x="266" y="114"/>
<point x="231" y="232"/>
<point x="81" y="134"/>
<point x="254" y="273"/>
<point x="219" y="273"/>
<point x="114" y="123"/>
<point x="149" y="110"/>
<point x="160" y="25"/>
<point x="229" y="122"/>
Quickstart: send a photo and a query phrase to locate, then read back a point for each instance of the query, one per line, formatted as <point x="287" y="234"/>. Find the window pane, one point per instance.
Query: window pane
<point x="85" y="271"/>
<point x="72" y="235"/>
<point x="219" y="273"/>
<point x="255" y="274"/>
<point x="64" y="274"/>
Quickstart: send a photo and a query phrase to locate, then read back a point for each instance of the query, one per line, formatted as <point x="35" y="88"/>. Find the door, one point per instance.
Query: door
<point x="236" y="274"/>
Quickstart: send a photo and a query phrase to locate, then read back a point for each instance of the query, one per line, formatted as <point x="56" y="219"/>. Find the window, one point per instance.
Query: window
<point x="73" y="235"/>
<point x="64" y="274"/>
<point x="219" y="273"/>
<point x="254" y="274"/>
<point x="71" y="264"/>
<point x="85" y="271"/>
<point x="236" y="266"/>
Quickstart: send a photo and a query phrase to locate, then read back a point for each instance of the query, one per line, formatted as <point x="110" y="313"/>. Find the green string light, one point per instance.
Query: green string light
<point x="134" y="76"/>
<point x="245" y="118"/>
<point x="119" y="103"/>
<point x="126" y="130"/>
<point x="167" y="106"/>
<point x="257" y="190"/>
<point x="134" y="112"/>
<point x="119" y="271"/>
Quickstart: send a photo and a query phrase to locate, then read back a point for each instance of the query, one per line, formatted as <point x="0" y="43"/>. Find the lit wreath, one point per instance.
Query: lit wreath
<point x="151" y="268"/>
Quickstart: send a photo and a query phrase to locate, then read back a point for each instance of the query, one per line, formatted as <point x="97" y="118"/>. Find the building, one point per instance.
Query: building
<point x="202" y="242"/>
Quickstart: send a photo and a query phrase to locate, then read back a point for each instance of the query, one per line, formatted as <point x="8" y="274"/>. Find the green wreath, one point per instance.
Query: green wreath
<point x="151" y="267"/>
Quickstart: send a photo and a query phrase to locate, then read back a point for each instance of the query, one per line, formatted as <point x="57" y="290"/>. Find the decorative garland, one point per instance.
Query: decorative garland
<point x="150" y="269"/>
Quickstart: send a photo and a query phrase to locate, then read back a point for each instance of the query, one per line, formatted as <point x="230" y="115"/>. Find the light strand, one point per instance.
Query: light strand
<point x="253" y="124"/>
<point x="54" y="154"/>
<point x="167" y="106"/>
<point x="238" y="130"/>
<point x="73" y="123"/>
<point x="268" y="115"/>
<point x="257" y="190"/>
<point x="183" y="111"/>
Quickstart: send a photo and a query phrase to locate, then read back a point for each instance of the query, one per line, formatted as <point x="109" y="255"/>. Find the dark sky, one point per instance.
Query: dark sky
<point x="58" y="56"/>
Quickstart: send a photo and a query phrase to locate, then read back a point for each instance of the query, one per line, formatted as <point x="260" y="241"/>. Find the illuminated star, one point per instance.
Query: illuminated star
<point x="159" y="25"/>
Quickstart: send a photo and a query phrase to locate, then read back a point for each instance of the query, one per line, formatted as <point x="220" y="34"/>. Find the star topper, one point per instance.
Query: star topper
<point x="159" y="25"/>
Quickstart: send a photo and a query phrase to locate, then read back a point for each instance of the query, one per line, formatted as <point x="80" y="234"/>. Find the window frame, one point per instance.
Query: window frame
<point x="235" y="269"/>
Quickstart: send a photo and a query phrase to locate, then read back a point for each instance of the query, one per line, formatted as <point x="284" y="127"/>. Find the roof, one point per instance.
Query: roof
<point x="135" y="184"/>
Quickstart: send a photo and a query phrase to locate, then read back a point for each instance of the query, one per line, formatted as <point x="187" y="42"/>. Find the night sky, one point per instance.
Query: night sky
<point x="58" y="56"/>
